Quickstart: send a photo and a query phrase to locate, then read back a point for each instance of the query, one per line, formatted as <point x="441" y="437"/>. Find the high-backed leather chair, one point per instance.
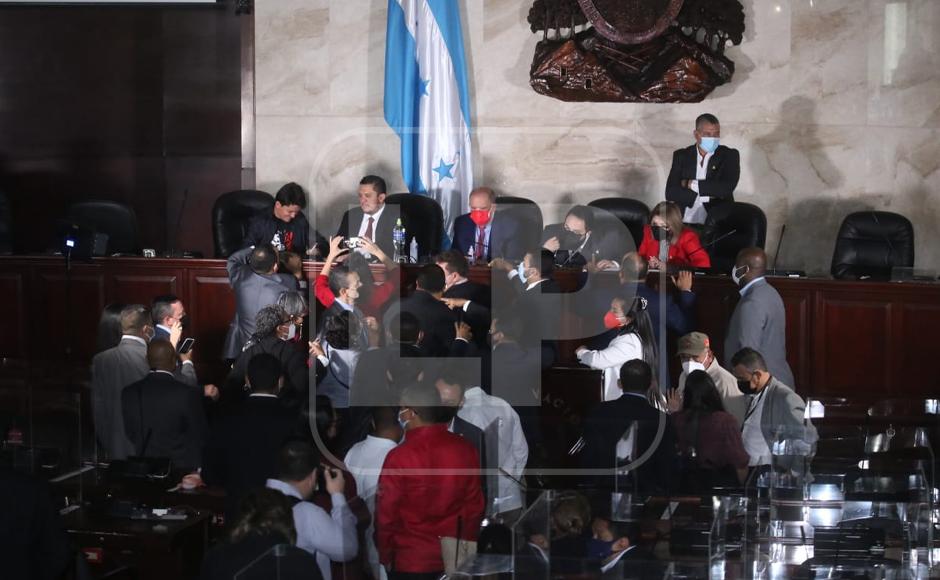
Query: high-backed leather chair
<point x="115" y="219"/>
<point x="423" y="219"/>
<point x="731" y="227"/>
<point x="870" y="243"/>
<point x="230" y="215"/>
<point x="634" y="214"/>
<point x="527" y="214"/>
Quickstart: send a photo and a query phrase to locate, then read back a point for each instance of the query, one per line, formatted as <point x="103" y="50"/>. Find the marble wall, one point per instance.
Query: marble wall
<point x="835" y="107"/>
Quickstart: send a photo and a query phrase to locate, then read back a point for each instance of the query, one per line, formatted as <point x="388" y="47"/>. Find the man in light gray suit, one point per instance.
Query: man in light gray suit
<point x="253" y="275"/>
<point x="759" y="321"/>
<point x="114" y="369"/>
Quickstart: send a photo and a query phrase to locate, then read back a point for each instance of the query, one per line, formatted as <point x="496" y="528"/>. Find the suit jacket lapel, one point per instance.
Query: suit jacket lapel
<point x="714" y="163"/>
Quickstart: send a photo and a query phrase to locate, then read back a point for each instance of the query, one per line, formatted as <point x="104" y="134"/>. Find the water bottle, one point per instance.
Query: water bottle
<point x="398" y="239"/>
<point x="413" y="251"/>
<point x="471" y="259"/>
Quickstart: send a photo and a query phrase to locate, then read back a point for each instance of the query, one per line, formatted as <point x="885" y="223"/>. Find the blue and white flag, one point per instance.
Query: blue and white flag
<point x="427" y="101"/>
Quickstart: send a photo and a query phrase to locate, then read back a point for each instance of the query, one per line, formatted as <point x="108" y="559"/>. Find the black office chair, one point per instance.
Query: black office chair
<point x="526" y="214"/>
<point x="230" y="215"/>
<point x="423" y="219"/>
<point x="116" y="220"/>
<point x="731" y="227"/>
<point x="870" y="243"/>
<point x="634" y="214"/>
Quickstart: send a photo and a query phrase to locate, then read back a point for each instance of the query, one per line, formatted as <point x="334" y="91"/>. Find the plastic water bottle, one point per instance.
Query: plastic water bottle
<point x="413" y="250"/>
<point x="398" y="239"/>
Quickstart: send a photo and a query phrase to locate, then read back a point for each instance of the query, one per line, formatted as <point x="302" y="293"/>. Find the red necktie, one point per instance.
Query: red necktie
<point x="368" y="233"/>
<point x="481" y="242"/>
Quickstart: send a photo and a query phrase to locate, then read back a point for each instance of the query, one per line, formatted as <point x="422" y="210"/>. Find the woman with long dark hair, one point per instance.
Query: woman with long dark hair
<point x="109" y="327"/>
<point x="709" y="437"/>
<point x="634" y="340"/>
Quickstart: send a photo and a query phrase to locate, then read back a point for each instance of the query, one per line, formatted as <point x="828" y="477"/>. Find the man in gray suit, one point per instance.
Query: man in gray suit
<point x="253" y="275"/>
<point x="774" y="413"/>
<point x="114" y="369"/>
<point x="759" y="321"/>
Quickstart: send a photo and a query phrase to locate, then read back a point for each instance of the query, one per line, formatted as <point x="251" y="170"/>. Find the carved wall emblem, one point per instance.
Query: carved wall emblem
<point x="644" y="51"/>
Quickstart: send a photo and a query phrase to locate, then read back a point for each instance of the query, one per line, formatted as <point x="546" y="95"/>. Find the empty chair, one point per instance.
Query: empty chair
<point x="870" y="244"/>
<point x="423" y="220"/>
<point x="731" y="227"/>
<point x="634" y="214"/>
<point x="230" y="215"/>
<point x="116" y="220"/>
<point x="527" y="214"/>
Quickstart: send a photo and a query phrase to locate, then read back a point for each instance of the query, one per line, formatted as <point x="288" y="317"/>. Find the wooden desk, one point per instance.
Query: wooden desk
<point x="843" y="338"/>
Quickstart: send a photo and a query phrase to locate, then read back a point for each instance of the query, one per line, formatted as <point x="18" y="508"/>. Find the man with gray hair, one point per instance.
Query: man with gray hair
<point x="114" y="369"/>
<point x="484" y="233"/>
<point x="774" y="413"/>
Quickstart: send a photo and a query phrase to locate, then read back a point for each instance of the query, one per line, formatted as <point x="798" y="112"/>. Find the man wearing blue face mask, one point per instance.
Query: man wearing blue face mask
<point x="703" y="175"/>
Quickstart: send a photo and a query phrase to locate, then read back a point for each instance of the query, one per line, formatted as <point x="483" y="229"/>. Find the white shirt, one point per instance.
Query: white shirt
<point x="621" y="349"/>
<point x="751" y="434"/>
<point x="364" y="461"/>
<point x="327" y="536"/>
<point x="697" y="214"/>
<point x="364" y="225"/>
<point x="482" y="411"/>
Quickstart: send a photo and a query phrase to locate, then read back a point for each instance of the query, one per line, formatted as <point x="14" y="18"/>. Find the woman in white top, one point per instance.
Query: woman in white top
<point x="635" y="340"/>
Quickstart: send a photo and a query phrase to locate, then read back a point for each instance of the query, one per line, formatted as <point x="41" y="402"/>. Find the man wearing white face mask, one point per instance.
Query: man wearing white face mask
<point x="704" y="174"/>
<point x="694" y="350"/>
<point x="759" y="320"/>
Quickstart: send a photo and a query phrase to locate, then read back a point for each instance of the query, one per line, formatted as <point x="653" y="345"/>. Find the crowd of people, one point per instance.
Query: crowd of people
<point x="378" y="436"/>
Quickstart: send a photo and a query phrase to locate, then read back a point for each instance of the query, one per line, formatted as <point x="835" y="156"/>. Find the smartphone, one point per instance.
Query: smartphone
<point x="186" y="345"/>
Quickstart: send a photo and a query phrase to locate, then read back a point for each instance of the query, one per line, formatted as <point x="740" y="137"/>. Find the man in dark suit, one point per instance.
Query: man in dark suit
<point x="111" y="372"/>
<point x="484" y="233"/>
<point x="372" y="219"/>
<point x="162" y="416"/>
<point x="575" y="242"/>
<point x="537" y="299"/>
<point x="243" y="444"/>
<point x="285" y="226"/>
<point x="456" y="284"/>
<point x="609" y="422"/>
<point x="435" y="318"/>
<point x="256" y="282"/>
<point x="705" y="174"/>
<point x="168" y="315"/>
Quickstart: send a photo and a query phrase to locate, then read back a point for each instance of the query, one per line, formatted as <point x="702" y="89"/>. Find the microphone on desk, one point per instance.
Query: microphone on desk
<point x="172" y="250"/>
<point x="675" y="269"/>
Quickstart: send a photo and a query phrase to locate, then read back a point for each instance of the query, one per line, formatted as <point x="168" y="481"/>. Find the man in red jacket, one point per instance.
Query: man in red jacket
<point x="429" y="488"/>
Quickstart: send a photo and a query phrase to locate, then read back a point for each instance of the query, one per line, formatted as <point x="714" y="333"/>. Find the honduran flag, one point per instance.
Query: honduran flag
<point x="427" y="101"/>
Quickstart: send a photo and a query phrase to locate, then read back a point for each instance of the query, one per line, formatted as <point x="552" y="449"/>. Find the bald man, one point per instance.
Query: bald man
<point x="485" y="234"/>
<point x="162" y="416"/>
<point x="759" y="320"/>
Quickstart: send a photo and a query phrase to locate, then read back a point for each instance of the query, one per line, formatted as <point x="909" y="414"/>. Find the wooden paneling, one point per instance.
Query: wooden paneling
<point x="143" y="287"/>
<point x="63" y="312"/>
<point x="916" y="363"/>
<point x="852" y="343"/>
<point x="13" y="325"/>
<point x="211" y="305"/>
<point x="799" y="306"/>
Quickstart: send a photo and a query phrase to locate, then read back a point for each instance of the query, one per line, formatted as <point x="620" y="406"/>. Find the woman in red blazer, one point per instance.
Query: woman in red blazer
<point x="685" y="249"/>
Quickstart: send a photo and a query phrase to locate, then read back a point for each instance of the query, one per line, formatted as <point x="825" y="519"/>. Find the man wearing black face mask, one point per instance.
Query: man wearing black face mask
<point x="759" y="320"/>
<point x="774" y="412"/>
<point x="169" y="318"/>
<point x="574" y="242"/>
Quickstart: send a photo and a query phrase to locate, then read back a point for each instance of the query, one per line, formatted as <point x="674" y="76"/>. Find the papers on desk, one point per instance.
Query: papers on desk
<point x="614" y="559"/>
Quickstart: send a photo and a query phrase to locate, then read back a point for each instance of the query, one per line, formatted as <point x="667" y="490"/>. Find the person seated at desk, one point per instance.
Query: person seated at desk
<point x="266" y="521"/>
<point x="485" y="234"/>
<point x="285" y="226"/>
<point x="685" y="248"/>
<point x="163" y="417"/>
<point x="574" y="242"/>
<point x="703" y="175"/>
<point x="369" y="220"/>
